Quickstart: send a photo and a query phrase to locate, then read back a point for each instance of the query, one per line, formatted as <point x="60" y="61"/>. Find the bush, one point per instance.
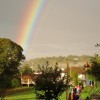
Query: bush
<point x="16" y="82"/>
<point x="49" y="85"/>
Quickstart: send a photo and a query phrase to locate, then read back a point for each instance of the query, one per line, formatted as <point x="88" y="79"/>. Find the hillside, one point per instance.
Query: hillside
<point x="73" y="60"/>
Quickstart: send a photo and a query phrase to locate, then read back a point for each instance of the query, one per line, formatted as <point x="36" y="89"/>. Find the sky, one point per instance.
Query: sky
<point x="64" y="27"/>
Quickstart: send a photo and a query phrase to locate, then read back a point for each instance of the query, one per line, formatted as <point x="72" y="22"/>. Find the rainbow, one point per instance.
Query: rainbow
<point x="29" y="23"/>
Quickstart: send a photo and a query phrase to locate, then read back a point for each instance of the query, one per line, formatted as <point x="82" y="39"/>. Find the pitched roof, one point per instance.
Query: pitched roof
<point x="79" y="70"/>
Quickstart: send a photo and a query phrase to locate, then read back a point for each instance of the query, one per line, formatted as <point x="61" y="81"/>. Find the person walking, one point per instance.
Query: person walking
<point x="72" y="95"/>
<point x="78" y="89"/>
<point x="78" y="92"/>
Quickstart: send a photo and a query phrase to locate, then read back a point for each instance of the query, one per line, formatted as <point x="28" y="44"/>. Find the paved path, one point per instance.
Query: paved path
<point x="80" y="98"/>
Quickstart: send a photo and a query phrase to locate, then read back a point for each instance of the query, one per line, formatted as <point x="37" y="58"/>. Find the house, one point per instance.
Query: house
<point x="80" y="71"/>
<point x="28" y="79"/>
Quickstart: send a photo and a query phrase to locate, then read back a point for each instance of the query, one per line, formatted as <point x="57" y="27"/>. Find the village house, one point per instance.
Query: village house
<point x="80" y="70"/>
<point x="28" y="79"/>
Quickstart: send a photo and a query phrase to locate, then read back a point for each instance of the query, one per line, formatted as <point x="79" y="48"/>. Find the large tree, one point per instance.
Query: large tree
<point x="94" y="70"/>
<point x="26" y="69"/>
<point x="49" y="84"/>
<point x="10" y="57"/>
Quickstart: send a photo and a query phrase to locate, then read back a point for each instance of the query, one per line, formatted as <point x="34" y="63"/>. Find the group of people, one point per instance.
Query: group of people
<point x="75" y="93"/>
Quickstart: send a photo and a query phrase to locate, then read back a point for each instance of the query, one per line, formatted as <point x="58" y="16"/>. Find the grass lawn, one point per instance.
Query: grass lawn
<point x="88" y="91"/>
<point x="25" y="93"/>
<point x="63" y="96"/>
<point x="85" y="92"/>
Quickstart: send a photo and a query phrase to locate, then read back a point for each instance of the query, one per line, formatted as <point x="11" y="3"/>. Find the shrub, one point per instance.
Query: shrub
<point x="49" y="85"/>
<point x="16" y="82"/>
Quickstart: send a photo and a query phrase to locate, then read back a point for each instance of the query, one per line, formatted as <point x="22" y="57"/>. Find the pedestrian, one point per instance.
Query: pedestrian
<point x="72" y="95"/>
<point x="75" y="89"/>
<point x="77" y="96"/>
<point x="78" y="89"/>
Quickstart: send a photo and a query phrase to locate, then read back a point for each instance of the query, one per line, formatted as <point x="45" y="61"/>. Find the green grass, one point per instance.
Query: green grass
<point x="85" y="92"/>
<point x="26" y="93"/>
<point x="88" y="91"/>
<point x="63" y="96"/>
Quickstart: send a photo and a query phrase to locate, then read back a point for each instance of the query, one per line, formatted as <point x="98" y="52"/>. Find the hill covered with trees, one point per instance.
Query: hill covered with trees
<point x="72" y="60"/>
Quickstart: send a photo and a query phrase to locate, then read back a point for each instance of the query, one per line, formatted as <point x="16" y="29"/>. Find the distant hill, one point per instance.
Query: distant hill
<point x="73" y="60"/>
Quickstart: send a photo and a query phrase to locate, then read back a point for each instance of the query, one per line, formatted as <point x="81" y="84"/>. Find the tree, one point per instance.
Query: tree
<point x="94" y="70"/>
<point x="49" y="84"/>
<point x="26" y="69"/>
<point x="10" y="57"/>
<point x="74" y="76"/>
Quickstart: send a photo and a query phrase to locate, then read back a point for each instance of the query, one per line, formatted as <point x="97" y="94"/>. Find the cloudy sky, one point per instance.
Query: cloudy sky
<point x="65" y="27"/>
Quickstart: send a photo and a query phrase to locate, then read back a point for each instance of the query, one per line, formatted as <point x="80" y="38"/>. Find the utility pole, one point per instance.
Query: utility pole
<point x="67" y="81"/>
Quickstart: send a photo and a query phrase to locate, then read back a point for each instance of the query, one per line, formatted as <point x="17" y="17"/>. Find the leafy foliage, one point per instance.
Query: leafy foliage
<point x="74" y="76"/>
<point x="49" y="85"/>
<point x="15" y="82"/>
<point x="95" y="68"/>
<point x="26" y="70"/>
<point x="10" y="57"/>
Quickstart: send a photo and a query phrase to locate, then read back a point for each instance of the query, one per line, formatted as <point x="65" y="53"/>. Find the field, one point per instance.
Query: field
<point x="88" y="91"/>
<point x="25" y="93"/>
